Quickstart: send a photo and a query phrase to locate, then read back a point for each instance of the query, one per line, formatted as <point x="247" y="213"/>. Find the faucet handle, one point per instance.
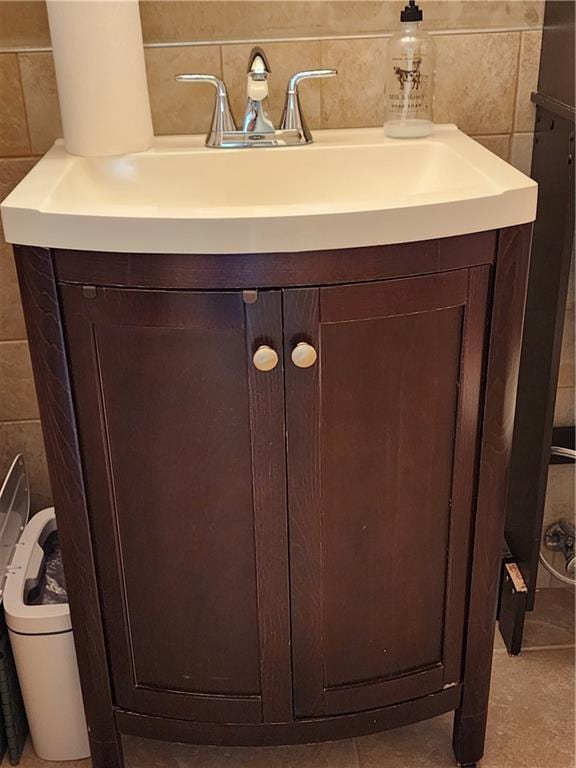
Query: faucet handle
<point x="308" y="74"/>
<point x="292" y="118"/>
<point x="222" y="119"/>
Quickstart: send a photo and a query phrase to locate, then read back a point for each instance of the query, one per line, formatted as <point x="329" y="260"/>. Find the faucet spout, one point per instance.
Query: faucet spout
<point x="258" y="66"/>
<point x="257" y="129"/>
<point x="256" y="117"/>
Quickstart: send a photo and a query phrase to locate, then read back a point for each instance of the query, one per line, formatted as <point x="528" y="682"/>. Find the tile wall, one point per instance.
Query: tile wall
<point x="488" y="57"/>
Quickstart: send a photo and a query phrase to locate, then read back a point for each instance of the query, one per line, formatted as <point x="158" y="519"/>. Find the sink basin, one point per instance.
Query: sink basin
<point x="350" y="188"/>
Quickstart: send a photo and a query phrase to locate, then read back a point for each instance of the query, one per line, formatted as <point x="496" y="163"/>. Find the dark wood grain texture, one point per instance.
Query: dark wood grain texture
<point x="276" y="270"/>
<point x="264" y="326"/>
<point x="257" y="535"/>
<point x="48" y="353"/>
<point x="183" y="510"/>
<point x="372" y="430"/>
<point x="497" y="428"/>
<point x="552" y="249"/>
<point x="301" y="316"/>
<point x="466" y="450"/>
<point x="303" y="731"/>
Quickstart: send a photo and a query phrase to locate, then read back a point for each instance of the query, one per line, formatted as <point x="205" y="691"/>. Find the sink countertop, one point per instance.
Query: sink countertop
<point x="350" y="188"/>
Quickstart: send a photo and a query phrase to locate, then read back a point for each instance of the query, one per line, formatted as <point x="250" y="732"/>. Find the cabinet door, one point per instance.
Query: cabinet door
<point x="381" y="460"/>
<point x="184" y="460"/>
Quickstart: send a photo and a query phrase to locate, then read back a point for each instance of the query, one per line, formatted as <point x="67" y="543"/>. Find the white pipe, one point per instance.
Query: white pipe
<point x="555" y="573"/>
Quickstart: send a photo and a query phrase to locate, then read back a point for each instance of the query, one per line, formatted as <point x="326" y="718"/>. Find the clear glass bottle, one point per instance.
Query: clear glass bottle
<point x="410" y="66"/>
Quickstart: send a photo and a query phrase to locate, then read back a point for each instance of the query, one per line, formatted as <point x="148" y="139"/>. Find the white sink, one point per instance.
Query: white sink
<point x="350" y="188"/>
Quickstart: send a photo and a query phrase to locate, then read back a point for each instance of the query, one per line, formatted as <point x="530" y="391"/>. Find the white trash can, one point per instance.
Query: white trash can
<point x="39" y="627"/>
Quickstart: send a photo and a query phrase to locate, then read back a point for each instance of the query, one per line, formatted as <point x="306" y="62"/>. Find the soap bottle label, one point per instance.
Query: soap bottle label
<point x="408" y="91"/>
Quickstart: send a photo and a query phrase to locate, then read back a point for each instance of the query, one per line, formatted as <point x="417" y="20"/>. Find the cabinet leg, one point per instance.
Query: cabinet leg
<point x="498" y="420"/>
<point x="107" y="754"/>
<point x="468" y="737"/>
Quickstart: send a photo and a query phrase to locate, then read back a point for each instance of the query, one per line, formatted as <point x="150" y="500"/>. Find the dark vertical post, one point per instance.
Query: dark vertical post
<point x="497" y="427"/>
<point x="41" y="308"/>
<point x="553" y="169"/>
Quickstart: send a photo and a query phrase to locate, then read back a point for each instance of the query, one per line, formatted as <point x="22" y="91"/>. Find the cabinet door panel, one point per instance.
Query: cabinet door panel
<point x="381" y="438"/>
<point x="168" y="405"/>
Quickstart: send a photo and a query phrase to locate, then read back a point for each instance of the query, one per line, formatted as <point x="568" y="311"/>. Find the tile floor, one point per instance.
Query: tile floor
<point x="531" y="722"/>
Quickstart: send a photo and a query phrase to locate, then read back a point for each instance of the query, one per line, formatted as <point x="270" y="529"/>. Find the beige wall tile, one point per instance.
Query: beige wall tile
<point x="11" y="316"/>
<point x="25" y="437"/>
<point x="560" y="505"/>
<point x="483" y="14"/>
<point x="521" y="152"/>
<point x="355" y="98"/>
<point x="13" y="129"/>
<point x="12" y="171"/>
<point x="500" y="145"/>
<point x="566" y="374"/>
<point x="527" y="80"/>
<point x="560" y="496"/>
<point x="181" y="107"/>
<point x="285" y="59"/>
<point x="543" y="578"/>
<point x="476" y="80"/>
<point x="17" y="391"/>
<point x="558" y="562"/>
<point x="164" y="21"/>
<point x="23" y="22"/>
<point x="564" y="410"/>
<point x="41" y="100"/>
<point x="264" y="19"/>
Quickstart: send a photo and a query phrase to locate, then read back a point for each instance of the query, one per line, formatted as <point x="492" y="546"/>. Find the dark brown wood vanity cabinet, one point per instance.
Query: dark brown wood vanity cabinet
<point x="283" y="555"/>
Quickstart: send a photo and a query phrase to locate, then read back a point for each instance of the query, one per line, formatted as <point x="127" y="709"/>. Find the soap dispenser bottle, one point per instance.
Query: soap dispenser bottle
<point x="410" y="64"/>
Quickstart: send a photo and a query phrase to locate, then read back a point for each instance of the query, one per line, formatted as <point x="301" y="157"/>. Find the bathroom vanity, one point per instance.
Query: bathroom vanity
<point x="278" y="429"/>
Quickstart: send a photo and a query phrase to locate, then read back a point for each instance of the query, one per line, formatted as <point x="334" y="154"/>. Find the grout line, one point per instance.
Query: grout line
<point x="321" y="45"/>
<point x="18" y="339"/>
<point x="24" y="103"/>
<point x="36" y="420"/>
<point x="221" y="59"/>
<point x="517" y="82"/>
<point x="509" y="147"/>
<point x="294" y="39"/>
<point x="31" y="156"/>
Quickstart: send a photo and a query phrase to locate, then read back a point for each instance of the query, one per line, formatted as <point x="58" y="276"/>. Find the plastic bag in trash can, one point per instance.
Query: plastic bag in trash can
<point x="51" y="589"/>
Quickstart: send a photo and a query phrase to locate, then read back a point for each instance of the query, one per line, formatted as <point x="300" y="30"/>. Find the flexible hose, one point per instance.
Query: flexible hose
<point x="557" y="575"/>
<point x="568" y="453"/>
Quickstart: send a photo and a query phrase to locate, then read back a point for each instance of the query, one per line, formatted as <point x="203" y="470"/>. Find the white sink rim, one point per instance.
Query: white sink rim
<point x="487" y="193"/>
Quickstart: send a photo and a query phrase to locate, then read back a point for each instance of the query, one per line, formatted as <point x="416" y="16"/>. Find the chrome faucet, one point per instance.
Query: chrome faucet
<point x="257" y="127"/>
<point x="222" y="118"/>
<point x="256" y="118"/>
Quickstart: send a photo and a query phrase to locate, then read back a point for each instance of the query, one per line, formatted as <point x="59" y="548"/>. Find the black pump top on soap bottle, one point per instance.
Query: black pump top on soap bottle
<point x="411" y="12"/>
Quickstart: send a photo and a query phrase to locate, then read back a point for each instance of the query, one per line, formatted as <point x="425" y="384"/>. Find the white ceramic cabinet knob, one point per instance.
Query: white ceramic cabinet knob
<point x="304" y="355"/>
<point x="265" y="358"/>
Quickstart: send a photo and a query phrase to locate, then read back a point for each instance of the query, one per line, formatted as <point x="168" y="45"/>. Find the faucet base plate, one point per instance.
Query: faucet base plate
<point x="243" y="139"/>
